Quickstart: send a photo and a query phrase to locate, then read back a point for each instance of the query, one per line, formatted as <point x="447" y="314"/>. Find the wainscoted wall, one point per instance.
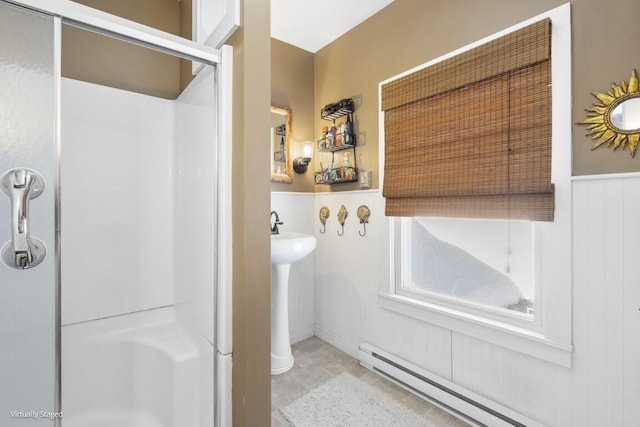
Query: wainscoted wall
<point x="600" y="389"/>
<point x="606" y="300"/>
<point x="351" y="271"/>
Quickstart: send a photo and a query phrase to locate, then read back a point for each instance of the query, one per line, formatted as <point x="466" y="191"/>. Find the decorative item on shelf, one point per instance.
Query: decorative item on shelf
<point x="615" y="120"/>
<point x="324" y="214"/>
<point x="342" y="217"/>
<point x="331" y="175"/>
<point x="300" y="163"/>
<point x="365" y="179"/>
<point x="363" y="213"/>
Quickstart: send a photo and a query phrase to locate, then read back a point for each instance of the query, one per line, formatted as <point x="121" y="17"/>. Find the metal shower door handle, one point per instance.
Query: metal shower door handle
<point x="23" y="251"/>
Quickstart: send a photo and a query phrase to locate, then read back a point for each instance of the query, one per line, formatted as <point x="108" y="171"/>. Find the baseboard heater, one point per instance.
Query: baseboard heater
<point x="462" y="403"/>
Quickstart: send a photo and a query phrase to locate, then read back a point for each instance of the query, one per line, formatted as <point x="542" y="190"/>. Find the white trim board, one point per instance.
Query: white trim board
<point x="623" y="175"/>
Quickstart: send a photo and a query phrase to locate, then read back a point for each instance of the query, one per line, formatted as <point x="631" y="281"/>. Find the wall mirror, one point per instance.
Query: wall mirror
<point x="615" y="120"/>
<point x="281" y="166"/>
<point x="625" y="116"/>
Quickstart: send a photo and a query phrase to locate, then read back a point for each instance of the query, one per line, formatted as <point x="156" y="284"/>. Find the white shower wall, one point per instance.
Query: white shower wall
<point x="117" y="203"/>
<point x="195" y="226"/>
<point x="138" y="236"/>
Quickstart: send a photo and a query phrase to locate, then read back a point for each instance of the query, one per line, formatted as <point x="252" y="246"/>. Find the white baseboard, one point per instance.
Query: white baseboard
<point x="301" y="334"/>
<point x="338" y="342"/>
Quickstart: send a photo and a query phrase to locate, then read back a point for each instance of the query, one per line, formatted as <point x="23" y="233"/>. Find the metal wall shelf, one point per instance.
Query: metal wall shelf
<point x="337" y="109"/>
<point x="336" y="148"/>
<point x="338" y="175"/>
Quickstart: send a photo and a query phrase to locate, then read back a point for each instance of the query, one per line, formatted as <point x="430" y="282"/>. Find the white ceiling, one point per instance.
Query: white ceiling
<point x="313" y="24"/>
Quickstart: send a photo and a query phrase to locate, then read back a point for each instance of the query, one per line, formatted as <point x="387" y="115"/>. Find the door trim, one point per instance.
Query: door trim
<point x="87" y="18"/>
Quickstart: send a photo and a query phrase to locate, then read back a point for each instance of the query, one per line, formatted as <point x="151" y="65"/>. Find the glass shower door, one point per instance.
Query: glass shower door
<point x="29" y="285"/>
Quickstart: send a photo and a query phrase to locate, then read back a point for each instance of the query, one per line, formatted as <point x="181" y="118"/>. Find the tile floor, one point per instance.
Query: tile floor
<point x="317" y="362"/>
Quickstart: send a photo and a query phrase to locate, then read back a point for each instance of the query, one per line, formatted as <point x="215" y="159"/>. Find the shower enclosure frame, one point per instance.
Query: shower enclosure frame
<point x="77" y="15"/>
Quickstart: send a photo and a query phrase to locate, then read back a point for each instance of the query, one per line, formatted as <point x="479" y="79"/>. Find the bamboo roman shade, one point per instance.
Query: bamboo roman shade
<point x="471" y="136"/>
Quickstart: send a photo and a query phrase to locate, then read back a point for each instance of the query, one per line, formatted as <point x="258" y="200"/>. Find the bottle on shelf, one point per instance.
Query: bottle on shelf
<point x="330" y="137"/>
<point x="339" y="136"/>
<point x="346" y="167"/>
<point x="334" y="132"/>
<point x="322" y="141"/>
<point x="347" y="134"/>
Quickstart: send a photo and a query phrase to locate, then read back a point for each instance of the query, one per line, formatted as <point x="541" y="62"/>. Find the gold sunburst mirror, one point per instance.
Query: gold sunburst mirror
<point x="615" y="120"/>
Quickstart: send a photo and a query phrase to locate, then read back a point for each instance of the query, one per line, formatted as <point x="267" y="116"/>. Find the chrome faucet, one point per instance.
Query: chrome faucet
<point x="276" y="223"/>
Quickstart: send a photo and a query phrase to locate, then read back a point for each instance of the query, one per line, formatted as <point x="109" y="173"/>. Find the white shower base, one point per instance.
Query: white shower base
<point x="138" y="370"/>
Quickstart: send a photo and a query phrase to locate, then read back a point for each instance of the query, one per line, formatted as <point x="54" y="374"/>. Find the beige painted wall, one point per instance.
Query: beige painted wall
<point x="408" y="33"/>
<point x="102" y="60"/>
<point x="292" y="86"/>
<point x="251" y="207"/>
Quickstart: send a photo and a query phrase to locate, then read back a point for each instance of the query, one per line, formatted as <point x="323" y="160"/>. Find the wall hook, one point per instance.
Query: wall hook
<point x="364" y="228"/>
<point x="324" y="214"/>
<point x="342" y="216"/>
<point x="363" y="214"/>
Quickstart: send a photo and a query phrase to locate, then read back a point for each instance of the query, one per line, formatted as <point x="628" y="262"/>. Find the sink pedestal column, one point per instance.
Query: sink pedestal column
<point x="281" y="358"/>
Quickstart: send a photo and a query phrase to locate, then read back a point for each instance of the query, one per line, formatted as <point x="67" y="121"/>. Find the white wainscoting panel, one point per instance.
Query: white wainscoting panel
<point x="606" y="293"/>
<point x="527" y="385"/>
<point x="351" y="271"/>
<point x="631" y="303"/>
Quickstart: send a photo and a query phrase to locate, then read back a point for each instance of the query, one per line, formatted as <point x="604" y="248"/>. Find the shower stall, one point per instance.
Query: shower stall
<point x="114" y="300"/>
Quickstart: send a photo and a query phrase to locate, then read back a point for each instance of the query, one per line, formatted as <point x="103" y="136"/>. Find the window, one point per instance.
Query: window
<point x="487" y="265"/>
<point x="505" y="278"/>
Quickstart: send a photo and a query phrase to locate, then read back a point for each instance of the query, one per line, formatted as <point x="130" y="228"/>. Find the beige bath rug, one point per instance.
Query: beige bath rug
<point x="347" y="401"/>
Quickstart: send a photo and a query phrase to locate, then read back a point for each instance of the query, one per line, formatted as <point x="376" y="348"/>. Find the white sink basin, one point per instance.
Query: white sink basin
<point x="288" y="247"/>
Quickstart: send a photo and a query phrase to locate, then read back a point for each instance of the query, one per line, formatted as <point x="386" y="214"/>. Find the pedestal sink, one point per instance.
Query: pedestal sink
<point x="286" y="248"/>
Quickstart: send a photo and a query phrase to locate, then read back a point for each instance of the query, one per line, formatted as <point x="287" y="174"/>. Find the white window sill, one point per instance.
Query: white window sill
<point x="515" y="338"/>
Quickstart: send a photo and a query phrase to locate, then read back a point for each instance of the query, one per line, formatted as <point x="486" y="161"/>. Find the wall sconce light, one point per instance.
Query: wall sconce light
<point x="300" y="163"/>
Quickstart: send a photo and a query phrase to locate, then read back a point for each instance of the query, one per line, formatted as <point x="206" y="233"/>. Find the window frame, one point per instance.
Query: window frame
<point x="549" y="336"/>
